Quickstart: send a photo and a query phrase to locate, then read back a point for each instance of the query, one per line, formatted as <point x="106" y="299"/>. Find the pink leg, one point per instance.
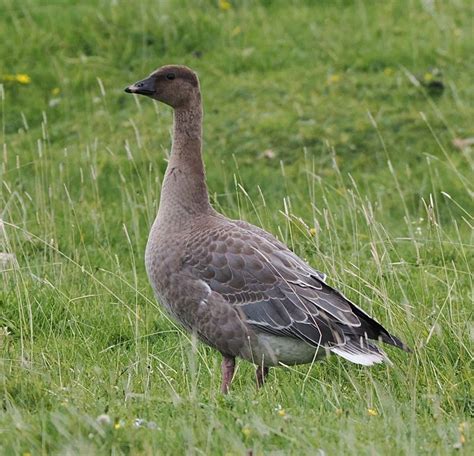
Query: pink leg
<point x="261" y="374"/>
<point x="227" y="367"/>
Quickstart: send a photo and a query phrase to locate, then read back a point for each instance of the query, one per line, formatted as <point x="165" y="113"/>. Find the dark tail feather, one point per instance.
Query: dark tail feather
<point x="369" y="328"/>
<point x="376" y="331"/>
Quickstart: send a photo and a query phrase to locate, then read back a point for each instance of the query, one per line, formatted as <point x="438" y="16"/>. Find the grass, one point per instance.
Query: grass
<point x="362" y="180"/>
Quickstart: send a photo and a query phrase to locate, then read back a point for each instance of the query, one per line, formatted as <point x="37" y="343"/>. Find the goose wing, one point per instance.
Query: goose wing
<point x="274" y="290"/>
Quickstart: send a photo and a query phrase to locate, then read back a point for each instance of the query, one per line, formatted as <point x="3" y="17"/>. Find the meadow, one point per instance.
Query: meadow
<point x="340" y="126"/>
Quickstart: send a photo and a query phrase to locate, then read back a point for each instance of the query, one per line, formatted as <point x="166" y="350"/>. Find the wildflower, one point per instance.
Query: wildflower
<point x="104" y="420"/>
<point x="225" y="5"/>
<point x="247" y="431"/>
<point x="152" y="425"/>
<point x="55" y="91"/>
<point x="428" y="77"/>
<point x="118" y="424"/>
<point x="54" y="102"/>
<point x="312" y="231"/>
<point x="388" y="71"/>
<point x="281" y="412"/>
<point x="372" y="412"/>
<point x="20" y="78"/>
<point x="23" y="78"/>
<point x="139" y="422"/>
<point x="334" y="79"/>
<point x="235" y="31"/>
<point x="268" y="153"/>
<point x="142" y="423"/>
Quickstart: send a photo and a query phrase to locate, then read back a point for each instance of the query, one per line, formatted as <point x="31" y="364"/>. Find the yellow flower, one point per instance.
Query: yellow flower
<point x="312" y="231"/>
<point x="20" y="78"/>
<point x="246" y="431"/>
<point x="281" y="412"/>
<point x="428" y="77"/>
<point x="23" y="78"/>
<point x="55" y="91"/>
<point x="225" y="5"/>
<point x="388" y="71"/>
<point x="334" y="79"/>
<point x="235" y="31"/>
<point x="372" y="412"/>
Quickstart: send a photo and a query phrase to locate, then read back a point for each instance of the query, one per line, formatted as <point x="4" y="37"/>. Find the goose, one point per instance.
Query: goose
<point x="235" y="286"/>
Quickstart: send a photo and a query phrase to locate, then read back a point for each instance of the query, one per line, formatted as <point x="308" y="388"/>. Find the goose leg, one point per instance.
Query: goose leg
<point x="261" y="374"/>
<point x="227" y="368"/>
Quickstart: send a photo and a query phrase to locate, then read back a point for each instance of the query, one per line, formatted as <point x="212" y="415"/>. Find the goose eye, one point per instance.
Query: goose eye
<point x="170" y="76"/>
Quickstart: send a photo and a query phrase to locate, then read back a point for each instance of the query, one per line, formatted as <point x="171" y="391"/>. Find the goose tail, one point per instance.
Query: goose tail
<point x="364" y="352"/>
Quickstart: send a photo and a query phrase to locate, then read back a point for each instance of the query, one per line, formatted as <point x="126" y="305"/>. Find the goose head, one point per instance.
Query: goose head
<point x="175" y="85"/>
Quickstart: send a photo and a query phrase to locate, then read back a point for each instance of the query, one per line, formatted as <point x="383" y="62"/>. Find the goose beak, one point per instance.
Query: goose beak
<point x="144" y="87"/>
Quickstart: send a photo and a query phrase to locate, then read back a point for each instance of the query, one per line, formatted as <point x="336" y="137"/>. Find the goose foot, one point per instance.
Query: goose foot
<point x="227" y="368"/>
<point x="261" y="375"/>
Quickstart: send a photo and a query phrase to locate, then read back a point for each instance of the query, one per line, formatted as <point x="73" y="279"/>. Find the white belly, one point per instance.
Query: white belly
<point x="275" y="350"/>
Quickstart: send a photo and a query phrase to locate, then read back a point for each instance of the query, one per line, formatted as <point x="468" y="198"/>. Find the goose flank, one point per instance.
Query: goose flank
<point x="234" y="285"/>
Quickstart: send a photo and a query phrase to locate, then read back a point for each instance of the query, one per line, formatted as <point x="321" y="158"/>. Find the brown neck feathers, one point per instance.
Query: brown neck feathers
<point x="184" y="192"/>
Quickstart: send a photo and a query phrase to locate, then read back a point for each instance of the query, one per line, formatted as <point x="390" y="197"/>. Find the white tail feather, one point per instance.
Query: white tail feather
<point x="365" y="358"/>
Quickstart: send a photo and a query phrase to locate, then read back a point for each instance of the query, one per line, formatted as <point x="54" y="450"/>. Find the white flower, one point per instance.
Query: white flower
<point x="139" y="422"/>
<point x="104" y="420"/>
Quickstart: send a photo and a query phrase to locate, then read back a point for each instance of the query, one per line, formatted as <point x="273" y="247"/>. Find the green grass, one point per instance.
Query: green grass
<point x="362" y="154"/>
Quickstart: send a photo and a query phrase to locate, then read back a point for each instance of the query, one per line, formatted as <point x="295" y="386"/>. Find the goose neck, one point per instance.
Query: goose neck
<point x="184" y="192"/>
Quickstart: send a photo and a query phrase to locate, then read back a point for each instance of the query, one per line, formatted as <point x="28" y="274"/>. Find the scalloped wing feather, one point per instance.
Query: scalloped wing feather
<point x="273" y="289"/>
